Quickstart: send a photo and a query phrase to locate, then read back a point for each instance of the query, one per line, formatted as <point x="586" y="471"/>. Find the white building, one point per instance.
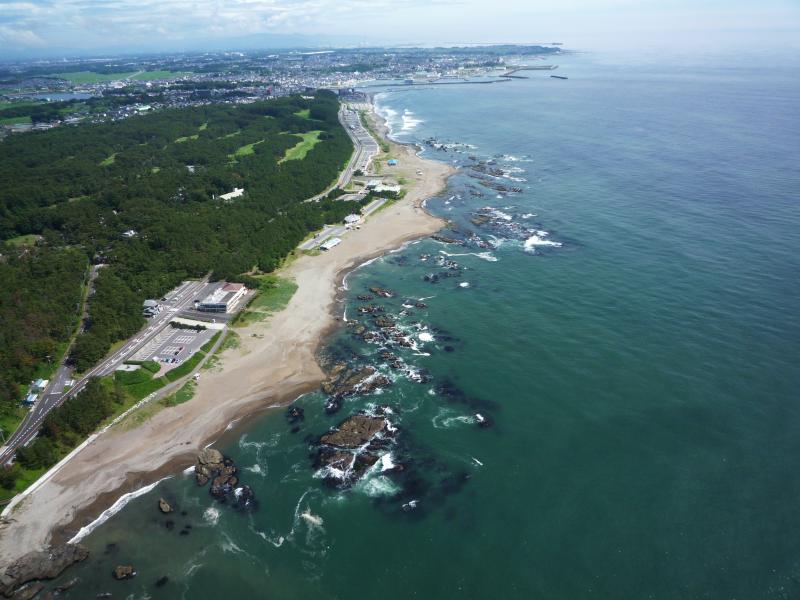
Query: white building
<point x="352" y="219"/>
<point x="331" y="243"/>
<point x="231" y="195"/>
<point x="223" y="299"/>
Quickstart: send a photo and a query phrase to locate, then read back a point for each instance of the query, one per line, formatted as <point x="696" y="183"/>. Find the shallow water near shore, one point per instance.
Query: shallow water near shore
<point x="625" y="325"/>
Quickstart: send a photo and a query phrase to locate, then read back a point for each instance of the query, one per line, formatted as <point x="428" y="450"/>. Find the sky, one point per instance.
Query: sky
<point x="42" y="27"/>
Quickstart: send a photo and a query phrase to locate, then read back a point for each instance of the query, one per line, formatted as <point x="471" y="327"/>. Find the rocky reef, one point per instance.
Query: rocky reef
<point x="353" y="446"/>
<point x="222" y="473"/>
<point x="39" y="565"/>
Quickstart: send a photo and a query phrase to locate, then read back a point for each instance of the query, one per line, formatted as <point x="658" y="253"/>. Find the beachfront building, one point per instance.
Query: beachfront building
<point x="352" y="220"/>
<point x="223" y="299"/>
<point x="331" y="243"/>
<point x="392" y="189"/>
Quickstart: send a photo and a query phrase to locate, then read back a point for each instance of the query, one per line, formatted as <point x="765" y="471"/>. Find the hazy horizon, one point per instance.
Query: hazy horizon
<point x="49" y="28"/>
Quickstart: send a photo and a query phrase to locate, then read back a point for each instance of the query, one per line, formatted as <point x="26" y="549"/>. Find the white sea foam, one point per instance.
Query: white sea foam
<point x="538" y="239"/>
<point x="211" y="515"/>
<point x="464" y="284"/>
<point x="409" y="121"/>
<point x="477" y="462"/>
<point x="312" y="519"/>
<point x="387" y="464"/>
<point x="188" y="470"/>
<point x="425" y="337"/>
<point x="114" y="509"/>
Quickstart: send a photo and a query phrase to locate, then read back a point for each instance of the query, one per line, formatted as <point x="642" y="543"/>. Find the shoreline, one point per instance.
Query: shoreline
<point x="124" y="460"/>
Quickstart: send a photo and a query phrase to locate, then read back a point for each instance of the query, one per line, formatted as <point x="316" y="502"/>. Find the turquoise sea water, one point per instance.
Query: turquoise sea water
<point x="630" y="330"/>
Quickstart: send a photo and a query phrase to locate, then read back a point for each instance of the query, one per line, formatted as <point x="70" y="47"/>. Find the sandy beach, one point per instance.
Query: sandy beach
<point x="275" y="363"/>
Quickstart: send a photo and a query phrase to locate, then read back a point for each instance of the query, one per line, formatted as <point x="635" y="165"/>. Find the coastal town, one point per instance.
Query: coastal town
<point x="95" y="90"/>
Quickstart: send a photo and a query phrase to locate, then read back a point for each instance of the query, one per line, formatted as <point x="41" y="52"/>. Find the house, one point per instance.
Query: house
<point x="231" y="195"/>
<point x="352" y="219"/>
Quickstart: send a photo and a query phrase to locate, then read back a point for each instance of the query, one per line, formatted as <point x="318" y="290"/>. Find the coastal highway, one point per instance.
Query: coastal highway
<point x="54" y="395"/>
<point x="339" y="230"/>
<point x="365" y="149"/>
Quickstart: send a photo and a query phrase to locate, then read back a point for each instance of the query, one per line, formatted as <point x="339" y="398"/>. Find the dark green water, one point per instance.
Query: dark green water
<point x="641" y="377"/>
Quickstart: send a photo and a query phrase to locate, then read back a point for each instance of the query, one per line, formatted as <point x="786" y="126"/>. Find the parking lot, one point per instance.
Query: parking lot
<point x="173" y="346"/>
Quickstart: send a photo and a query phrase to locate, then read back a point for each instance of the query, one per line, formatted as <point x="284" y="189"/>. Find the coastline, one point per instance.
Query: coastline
<point x="275" y="363"/>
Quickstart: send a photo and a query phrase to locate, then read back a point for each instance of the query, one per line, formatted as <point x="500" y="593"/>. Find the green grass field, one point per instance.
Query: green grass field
<point x="186" y="138"/>
<point x="305" y="113"/>
<point x="299" y="151"/>
<point x="79" y="77"/>
<point x="15" y="120"/>
<point x="245" y="150"/>
<point x="273" y="295"/>
<point x="109" y="161"/>
<point x="24" y="240"/>
<point x="92" y="77"/>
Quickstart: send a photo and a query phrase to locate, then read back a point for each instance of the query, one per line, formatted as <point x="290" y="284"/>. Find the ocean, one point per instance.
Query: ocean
<point x="598" y="392"/>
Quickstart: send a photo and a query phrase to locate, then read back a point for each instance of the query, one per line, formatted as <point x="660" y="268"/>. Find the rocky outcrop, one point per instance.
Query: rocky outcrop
<point x="344" y="381"/>
<point x="44" y="564"/>
<point x="124" y="572"/>
<point x="164" y="506"/>
<point x="354" y="446"/>
<point x="222" y="473"/>
<point x="355" y="431"/>
<point x="382" y="292"/>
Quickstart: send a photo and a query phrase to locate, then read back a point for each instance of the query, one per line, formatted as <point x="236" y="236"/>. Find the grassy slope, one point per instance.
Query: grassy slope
<point x="299" y="151"/>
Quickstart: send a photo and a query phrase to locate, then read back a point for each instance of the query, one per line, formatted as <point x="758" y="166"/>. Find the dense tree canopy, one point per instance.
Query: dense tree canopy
<point x="142" y="196"/>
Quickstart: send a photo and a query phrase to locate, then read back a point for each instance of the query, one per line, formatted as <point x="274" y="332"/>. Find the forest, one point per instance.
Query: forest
<point x="141" y="197"/>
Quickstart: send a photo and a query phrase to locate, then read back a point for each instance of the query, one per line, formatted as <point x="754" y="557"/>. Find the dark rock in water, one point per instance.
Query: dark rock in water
<point x="295" y="414"/>
<point x="28" y="592"/>
<point x="164" y="506"/>
<point x="446" y="240"/>
<point x="332" y="405"/>
<point x="431" y="278"/>
<point x="355" y="431"/>
<point x="161" y="582"/>
<point x="384" y="322"/>
<point x="208" y="461"/>
<point x="169" y="524"/>
<point x="124" y="572"/>
<point x="365" y="297"/>
<point x="222" y="472"/>
<point x="43" y="564"/>
<point x="344" y="382"/>
<point x="103" y="595"/>
<point x="111" y="548"/>
<point x="421" y="305"/>
<point x="295" y="429"/>
<point x="449" y="349"/>
<point x="382" y="292"/>
<point x="184" y="513"/>
<point x="67" y="585"/>
<point x="183" y="532"/>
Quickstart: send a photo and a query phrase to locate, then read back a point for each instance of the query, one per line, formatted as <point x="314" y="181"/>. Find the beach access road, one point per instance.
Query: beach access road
<point x="54" y="396"/>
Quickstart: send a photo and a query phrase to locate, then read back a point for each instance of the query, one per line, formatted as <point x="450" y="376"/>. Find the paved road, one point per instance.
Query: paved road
<point x="54" y="395"/>
<point x="365" y="149"/>
<point x="339" y="230"/>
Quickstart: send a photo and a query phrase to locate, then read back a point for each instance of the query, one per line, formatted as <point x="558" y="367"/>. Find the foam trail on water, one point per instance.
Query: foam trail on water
<point x="114" y="509"/>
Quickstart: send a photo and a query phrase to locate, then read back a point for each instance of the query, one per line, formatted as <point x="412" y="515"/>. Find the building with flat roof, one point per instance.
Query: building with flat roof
<point x="352" y="219"/>
<point x="231" y="195"/>
<point x="331" y="243"/>
<point x="223" y="299"/>
<point x="150" y="308"/>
